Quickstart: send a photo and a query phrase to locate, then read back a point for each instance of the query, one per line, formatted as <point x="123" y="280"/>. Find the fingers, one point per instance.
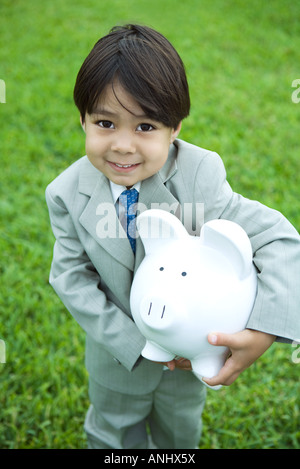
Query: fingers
<point x="183" y="364"/>
<point x="171" y="365"/>
<point x="226" y="376"/>
<point x="231" y="369"/>
<point x="245" y="347"/>
<point x="226" y="340"/>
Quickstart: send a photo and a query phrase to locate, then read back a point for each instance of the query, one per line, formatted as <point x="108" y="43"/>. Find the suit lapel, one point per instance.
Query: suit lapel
<point x="153" y="191"/>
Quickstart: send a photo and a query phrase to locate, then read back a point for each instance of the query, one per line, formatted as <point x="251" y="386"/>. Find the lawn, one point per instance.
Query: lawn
<point x="241" y="59"/>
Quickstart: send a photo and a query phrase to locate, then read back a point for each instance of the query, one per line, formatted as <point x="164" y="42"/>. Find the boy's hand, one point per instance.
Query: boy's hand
<point x="182" y="363"/>
<point x="245" y="347"/>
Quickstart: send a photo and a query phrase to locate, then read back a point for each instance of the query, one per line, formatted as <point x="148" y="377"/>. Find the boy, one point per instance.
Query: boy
<point x="132" y="95"/>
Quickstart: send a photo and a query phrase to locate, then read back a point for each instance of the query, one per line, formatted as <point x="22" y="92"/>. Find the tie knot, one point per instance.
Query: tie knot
<point x="129" y="197"/>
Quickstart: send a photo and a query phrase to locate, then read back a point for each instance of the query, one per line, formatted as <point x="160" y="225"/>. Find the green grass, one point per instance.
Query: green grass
<point x="241" y="58"/>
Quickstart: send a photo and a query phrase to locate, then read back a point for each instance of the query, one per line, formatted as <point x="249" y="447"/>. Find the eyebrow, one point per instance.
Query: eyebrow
<point x="106" y="112"/>
<point x="103" y="111"/>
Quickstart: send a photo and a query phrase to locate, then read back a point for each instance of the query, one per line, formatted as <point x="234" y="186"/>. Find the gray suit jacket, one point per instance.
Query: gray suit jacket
<point x="93" y="274"/>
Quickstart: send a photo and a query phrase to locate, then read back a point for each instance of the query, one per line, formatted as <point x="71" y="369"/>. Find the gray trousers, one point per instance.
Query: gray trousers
<point x="167" y="418"/>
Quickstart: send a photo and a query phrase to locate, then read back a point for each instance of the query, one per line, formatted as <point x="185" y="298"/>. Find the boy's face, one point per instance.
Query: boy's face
<point x="126" y="147"/>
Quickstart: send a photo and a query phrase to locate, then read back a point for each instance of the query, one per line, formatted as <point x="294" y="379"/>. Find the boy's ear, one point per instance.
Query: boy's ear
<point x="175" y="132"/>
<point x="82" y="122"/>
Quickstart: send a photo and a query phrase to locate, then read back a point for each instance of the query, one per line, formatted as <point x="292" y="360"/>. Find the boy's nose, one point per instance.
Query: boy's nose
<point x="123" y="143"/>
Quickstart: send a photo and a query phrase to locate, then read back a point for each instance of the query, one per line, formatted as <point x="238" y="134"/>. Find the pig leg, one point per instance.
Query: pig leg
<point x="155" y="352"/>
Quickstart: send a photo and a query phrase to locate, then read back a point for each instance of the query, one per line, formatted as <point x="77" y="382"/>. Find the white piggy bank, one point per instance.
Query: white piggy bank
<point x="188" y="286"/>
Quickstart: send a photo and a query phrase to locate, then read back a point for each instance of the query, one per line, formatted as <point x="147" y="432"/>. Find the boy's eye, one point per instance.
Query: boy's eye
<point x="106" y="124"/>
<point x="145" y="127"/>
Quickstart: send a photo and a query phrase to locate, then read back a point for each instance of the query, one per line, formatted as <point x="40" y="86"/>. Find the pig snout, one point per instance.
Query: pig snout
<point x="158" y="313"/>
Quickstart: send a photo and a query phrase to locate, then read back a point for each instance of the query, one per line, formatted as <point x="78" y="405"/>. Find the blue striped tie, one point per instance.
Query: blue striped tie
<point x="129" y="199"/>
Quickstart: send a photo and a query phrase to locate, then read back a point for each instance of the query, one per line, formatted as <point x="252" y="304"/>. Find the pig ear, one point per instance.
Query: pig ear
<point x="232" y="241"/>
<point x="158" y="227"/>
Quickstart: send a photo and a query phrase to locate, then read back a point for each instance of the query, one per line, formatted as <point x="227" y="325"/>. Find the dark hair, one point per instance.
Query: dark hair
<point x="145" y="64"/>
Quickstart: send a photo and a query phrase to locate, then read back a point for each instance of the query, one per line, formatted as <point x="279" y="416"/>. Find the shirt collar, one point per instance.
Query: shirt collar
<point x="116" y="189"/>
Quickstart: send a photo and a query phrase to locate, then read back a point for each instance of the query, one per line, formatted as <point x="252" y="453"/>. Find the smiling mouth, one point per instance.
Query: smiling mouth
<point x="123" y="167"/>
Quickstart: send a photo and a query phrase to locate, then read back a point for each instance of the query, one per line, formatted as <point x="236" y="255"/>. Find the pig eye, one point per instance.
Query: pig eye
<point x="161" y="268"/>
<point x="183" y="274"/>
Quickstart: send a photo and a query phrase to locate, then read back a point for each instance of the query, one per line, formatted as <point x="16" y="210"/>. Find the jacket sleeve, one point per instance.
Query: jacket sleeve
<point x="276" y="251"/>
<point x="76" y="282"/>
